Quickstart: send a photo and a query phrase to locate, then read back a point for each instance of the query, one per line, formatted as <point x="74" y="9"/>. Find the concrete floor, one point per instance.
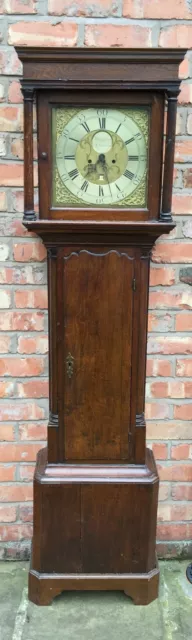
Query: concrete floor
<point x="96" y="616"/>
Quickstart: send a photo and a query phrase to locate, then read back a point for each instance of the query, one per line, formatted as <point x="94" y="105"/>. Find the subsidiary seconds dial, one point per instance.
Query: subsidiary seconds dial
<point x="101" y="156"/>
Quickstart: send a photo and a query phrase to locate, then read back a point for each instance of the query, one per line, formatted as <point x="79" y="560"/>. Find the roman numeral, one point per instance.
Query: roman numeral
<point x="133" y="157"/>
<point x="74" y="173"/>
<point x="130" y="140"/>
<point x="137" y="135"/>
<point x="102" y="123"/>
<point x="85" y="126"/>
<point x="117" y="187"/>
<point x="84" y="186"/>
<point x="128" y="174"/>
<point x="101" y="192"/>
<point x="69" y="157"/>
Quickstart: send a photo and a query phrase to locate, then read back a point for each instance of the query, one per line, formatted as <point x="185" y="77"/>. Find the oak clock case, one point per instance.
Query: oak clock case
<point x="104" y="198"/>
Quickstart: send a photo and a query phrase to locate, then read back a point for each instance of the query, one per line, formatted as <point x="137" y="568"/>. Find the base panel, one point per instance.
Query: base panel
<point x="142" y="588"/>
<point x="94" y="528"/>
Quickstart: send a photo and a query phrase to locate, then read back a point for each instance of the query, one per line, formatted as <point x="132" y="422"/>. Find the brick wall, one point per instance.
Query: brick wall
<point x="23" y="292"/>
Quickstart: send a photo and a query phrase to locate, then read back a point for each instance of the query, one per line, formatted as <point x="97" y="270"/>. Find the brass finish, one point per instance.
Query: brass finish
<point x="69" y="365"/>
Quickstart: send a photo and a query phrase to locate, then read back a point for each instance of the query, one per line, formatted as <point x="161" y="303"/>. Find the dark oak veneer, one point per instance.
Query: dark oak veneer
<point x="96" y="484"/>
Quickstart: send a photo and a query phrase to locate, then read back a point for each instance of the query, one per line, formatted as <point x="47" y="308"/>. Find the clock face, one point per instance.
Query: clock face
<point x="100" y="157"/>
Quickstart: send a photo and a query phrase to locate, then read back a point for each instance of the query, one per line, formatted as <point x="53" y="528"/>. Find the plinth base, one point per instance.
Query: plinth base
<point x="142" y="588"/>
<point x="94" y="529"/>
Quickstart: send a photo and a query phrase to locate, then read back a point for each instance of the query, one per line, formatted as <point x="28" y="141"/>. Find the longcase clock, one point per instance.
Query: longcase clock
<point x="104" y="198"/>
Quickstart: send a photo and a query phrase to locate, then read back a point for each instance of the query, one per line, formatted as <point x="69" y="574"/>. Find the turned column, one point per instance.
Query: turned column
<point x="165" y="215"/>
<point x="29" y="213"/>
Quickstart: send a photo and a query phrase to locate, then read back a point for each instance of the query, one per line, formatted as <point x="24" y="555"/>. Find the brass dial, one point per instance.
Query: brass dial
<point x="101" y="156"/>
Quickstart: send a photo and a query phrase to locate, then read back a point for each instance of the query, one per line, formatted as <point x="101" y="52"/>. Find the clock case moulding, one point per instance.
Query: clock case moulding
<point x="95" y="516"/>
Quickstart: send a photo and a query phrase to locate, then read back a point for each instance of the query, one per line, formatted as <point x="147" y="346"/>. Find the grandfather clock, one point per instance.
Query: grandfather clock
<point x="103" y="201"/>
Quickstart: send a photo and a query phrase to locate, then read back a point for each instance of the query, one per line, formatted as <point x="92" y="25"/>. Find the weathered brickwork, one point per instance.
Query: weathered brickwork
<point x="23" y="289"/>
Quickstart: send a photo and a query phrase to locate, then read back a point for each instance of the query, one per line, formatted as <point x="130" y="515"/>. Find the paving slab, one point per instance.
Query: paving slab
<point x="96" y="615"/>
<point x="13" y="580"/>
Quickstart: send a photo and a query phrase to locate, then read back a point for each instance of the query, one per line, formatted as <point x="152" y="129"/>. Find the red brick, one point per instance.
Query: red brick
<point x="156" y="411"/>
<point x="11" y="119"/>
<point x="183" y="322"/>
<point x="7" y="514"/>
<point x="181" y="492"/>
<point x="170" y="345"/>
<point x="19" y="6"/>
<point x="11" y="64"/>
<point x="169" y="431"/>
<point x="15" y="411"/>
<point x="33" y="431"/>
<point x="184" y="70"/>
<point x="3" y="201"/>
<point x="16" y="493"/>
<point x="177" y="252"/>
<point x="160" y="451"/>
<point x="160" y="323"/>
<point x="33" y="345"/>
<point x="106" y="35"/>
<point x="28" y="321"/>
<point x="33" y="298"/>
<point x="183" y="412"/>
<point x="157" y="389"/>
<point x="164" y="511"/>
<point x="157" y="367"/>
<point x="181" y="452"/>
<point x="189" y="124"/>
<point x="174" y="531"/>
<point x="182" y="472"/>
<point x="83" y="8"/>
<point x="5" y="344"/>
<point x="43" y="34"/>
<point x="14" y="92"/>
<point x="5" y="298"/>
<point x="33" y="389"/>
<point x="21" y="366"/>
<point x="12" y="174"/>
<point x="26" y="472"/>
<point x="162" y="276"/>
<point x="18" y="452"/>
<point x="156" y="10"/>
<point x="21" y="275"/>
<point x="174" y="513"/>
<point x="34" y="251"/>
<point x="183" y="150"/>
<point x="182" y="205"/>
<point x="26" y="513"/>
<point x="17" y="148"/>
<point x="187" y="178"/>
<point x="173" y="389"/>
<point x="7" y="474"/>
<point x="184" y="368"/>
<point x="163" y="492"/>
<point x="185" y="95"/>
<point x="164" y="300"/>
<point x="179" y="35"/>
<point x="6" y="432"/>
<point x="15" y="532"/>
<point x="16" y="321"/>
<point x="7" y="389"/>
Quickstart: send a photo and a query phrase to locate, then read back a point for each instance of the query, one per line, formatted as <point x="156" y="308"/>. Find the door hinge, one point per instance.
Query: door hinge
<point x="134" y="284"/>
